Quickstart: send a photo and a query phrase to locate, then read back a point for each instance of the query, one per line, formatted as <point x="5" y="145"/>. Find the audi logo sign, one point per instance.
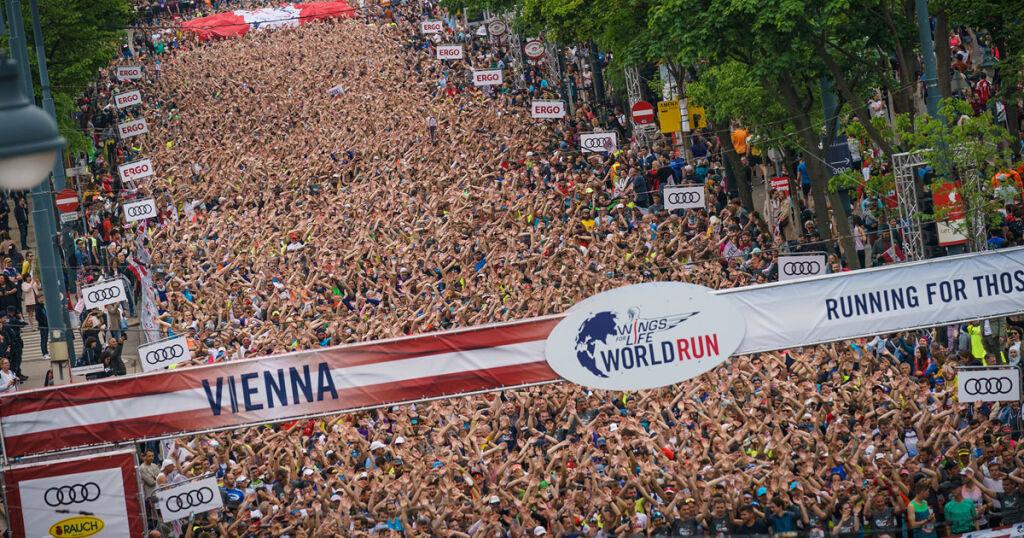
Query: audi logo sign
<point x="544" y="109"/>
<point x="805" y="265"/>
<point x="598" y="142"/>
<point x="487" y="77"/>
<point x="127" y="99"/>
<point x="187" y="498"/>
<point x="684" y="198"/>
<point x="135" y="170"/>
<point x="431" y="27"/>
<point x="104" y="293"/>
<point x="72" y="494"/>
<point x="449" y="52"/>
<point x="988" y="384"/>
<point x="128" y="72"/>
<point x="139" y="210"/>
<point x="132" y="128"/>
<point x="160" y="355"/>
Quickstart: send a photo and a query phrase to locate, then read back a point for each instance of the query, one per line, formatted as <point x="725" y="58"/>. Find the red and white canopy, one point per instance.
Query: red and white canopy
<point x="239" y="22"/>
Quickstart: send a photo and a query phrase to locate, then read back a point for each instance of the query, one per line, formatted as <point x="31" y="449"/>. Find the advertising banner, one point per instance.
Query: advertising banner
<point x="135" y="170"/>
<point x="160" y="355"/>
<point x="139" y="210"/>
<point x="103" y="293"/>
<point x="449" y="52"/>
<point x="494" y="357"/>
<point x="186" y="498"/>
<point x="804" y="265"/>
<point x="669" y="116"/>
<point x="988" y="384"/>
<point x="431" y="27"/>
<point x="547" y="109"/>
<point x="598" y="142"/>
<point x="127" y="99"/>
<point x="946" y="195"/>
<point x="95" y="495"/>
<point x="132" y="128"/>
<point x="684" y="198"/>
<point x="487" y="77"/>
<point x="128" y="72"/>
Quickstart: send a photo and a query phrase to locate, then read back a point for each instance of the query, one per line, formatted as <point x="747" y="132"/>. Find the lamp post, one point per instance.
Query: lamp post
<point x="33" y="131"/>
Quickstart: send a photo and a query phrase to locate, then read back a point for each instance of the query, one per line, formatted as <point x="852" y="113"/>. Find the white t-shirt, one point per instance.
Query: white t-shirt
<point x="5" y="381"/>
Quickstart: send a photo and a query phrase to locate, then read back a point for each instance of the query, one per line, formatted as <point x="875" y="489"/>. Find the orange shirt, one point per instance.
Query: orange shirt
<point x="739" y="140"/>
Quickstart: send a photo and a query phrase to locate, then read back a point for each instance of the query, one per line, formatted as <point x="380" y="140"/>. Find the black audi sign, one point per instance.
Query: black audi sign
<point x="160" y="355"/>
<point x="684" y="198"/>
<point x="988" y="384"/>
<point x="193" y="497"/>
<point x="802" y="265"/>
<point x="103" y="293"/>
<point x="139" y="210"/>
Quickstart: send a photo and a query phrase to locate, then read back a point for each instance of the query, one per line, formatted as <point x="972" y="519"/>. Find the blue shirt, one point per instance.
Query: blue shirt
<point x="786" y="522"/>
<point x="801" y="169"/>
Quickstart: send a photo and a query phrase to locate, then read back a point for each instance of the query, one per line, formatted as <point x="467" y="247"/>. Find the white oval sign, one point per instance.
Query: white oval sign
<point x="534" y="49"/>
<point x="645" y="336"/>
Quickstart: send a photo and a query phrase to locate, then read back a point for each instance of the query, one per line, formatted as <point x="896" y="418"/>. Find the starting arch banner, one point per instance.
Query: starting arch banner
<point x="333" y="380"/>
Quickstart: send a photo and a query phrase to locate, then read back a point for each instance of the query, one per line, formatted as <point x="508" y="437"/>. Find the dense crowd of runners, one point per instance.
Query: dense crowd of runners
<point x="336" y="183"/>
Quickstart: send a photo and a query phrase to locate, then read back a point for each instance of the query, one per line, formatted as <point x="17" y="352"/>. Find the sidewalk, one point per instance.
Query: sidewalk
<point x="35" y="366"/>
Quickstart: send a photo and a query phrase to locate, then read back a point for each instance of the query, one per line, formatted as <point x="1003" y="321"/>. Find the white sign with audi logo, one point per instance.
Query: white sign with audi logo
<point x="431" y="27"/>
<point x="160" y="355"/>
<point x="988" y="384"/>
<point x="684" y="198"/>
<point x="186" y="498"/>
<point x="804" y="265"/>
<point x="104" y="293"/>
<point x="135" y="170"/>
<point x="547" y="109"/>
<point x="449" y="52"/>
<point x="139" y="210"/>
<point x="487" y="77"/>
<point x="598" y="142"/>
<point x="127" y="99"/>
<point x="128" y="72"/>
<point x="79" y="504"/>
<point x="132" y="128"/>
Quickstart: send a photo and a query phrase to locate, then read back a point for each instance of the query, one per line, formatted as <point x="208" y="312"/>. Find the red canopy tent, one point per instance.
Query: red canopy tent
<point x="238" y="23"/>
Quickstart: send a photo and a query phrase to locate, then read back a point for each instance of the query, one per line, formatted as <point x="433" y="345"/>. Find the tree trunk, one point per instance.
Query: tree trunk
<point x="858" y="106"/>
<point x="733" y="167"/>
<point x="819" y="176"/>
<point x="941" y="41"/>
<point x="903" y="97"/>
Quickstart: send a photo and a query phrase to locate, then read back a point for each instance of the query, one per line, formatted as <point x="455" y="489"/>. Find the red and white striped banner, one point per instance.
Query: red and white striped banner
<point x="238" y="23"/>
<point x="256" y="391"/>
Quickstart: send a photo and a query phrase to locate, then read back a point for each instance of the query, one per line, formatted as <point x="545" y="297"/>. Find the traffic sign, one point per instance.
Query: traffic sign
<point x="67" y="201"/>
<point x="643" y="113"/>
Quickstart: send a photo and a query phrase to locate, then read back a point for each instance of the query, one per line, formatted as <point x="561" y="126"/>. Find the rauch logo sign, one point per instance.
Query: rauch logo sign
<point x="645" y="336"/>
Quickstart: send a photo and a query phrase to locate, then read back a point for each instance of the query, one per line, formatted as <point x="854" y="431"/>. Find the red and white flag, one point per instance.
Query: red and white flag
<point x="238" y="23"/>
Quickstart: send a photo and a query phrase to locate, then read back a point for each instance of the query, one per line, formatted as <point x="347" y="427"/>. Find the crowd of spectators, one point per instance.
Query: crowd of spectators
<point x="296" y="217"/>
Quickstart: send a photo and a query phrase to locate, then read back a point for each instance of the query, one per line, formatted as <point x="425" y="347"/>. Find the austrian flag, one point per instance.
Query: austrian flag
<point x="238" y="23"/>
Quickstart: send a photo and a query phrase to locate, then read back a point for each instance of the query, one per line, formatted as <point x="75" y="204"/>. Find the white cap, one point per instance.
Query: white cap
<point x="494" y="500"/>
<point x="376" y="444"/>
<point x="335" y="498"/>
<point x="167" y="462"/>
<point x="364" y="474"/>
<point x="256" y="514"/>
<point x="539" y="531"/>
<point x="307" y="471"/>
<point x="399" y="440"/>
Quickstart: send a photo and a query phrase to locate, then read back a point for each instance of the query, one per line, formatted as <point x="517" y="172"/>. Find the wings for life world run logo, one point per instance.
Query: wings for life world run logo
<point x="645" y="336"/>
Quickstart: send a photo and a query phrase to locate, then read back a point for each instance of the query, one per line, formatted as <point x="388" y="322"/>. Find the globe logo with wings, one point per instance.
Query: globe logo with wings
<point x="613" y="329"/>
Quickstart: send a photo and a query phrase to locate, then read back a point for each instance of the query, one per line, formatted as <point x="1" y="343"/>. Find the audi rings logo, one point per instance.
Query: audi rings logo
<point x="597" y="143"/>
<point x="165" y="354"/>
<point x="989" y="385"/>
<point x="103" y="294"/>
<point x="73" y="494"/>
<point x="801" y="268"/>
<point x="684" y="197"/>
<point x="138" y="210"/>
<point x="188" y="499"/>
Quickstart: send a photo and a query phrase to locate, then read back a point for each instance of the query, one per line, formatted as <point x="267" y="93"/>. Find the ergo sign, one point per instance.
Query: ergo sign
<point x="487" y="77"/>
<point x="127" y="99"/>
<point x="128" y="72"/>
<point x="431" y="27"/>
<point x="132" y="128"/>
<point x="449" y="52"/>
<point x="135" y="170"/>
<point x="547" y="109"/>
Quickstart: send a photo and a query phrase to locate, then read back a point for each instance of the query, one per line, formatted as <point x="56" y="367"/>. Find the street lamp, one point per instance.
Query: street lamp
<point x="29" y="139"/>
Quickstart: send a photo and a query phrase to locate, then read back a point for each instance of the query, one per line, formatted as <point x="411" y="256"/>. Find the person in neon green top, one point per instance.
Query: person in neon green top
<point x="977" y="346"/>
<point x="961" y="516"/>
